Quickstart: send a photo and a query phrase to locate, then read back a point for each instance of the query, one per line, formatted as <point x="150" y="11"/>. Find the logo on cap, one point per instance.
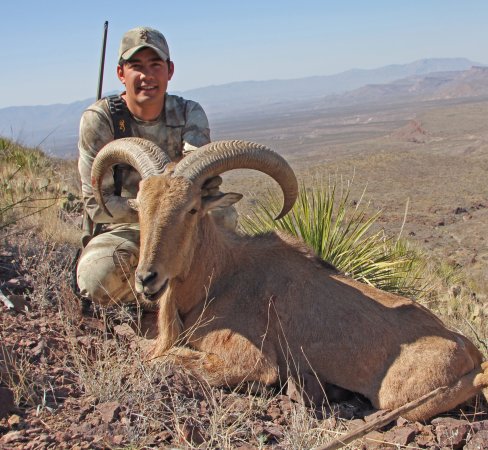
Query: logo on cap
<point x="143" y="35"/>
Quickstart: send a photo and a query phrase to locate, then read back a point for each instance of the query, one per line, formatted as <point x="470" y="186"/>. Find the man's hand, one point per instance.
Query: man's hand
<point x="211" y="186"/>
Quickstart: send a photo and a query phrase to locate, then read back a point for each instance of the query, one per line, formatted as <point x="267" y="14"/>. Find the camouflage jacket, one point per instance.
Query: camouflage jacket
<point x="182" y="128"/>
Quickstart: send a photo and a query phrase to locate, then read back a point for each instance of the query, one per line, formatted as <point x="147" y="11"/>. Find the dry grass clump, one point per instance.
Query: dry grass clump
<point x="19" y="375"/>
<point x="457" y="299"/>
<point x="38" y="192"/>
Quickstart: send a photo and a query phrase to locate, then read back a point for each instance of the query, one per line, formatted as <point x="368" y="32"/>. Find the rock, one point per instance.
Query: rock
<point x="480" y="426"/>
<point x="13" y="436"/>
<point x="478" y="442"/>
<point x="6" y="401"/>
<point x="38" y="350"/>
<point x="401" y="422"/>
<point x="400" y="436"/>
<point x="275" y="431"/>
<point x="426" y="438"/>
<point x="14" y="420"/>
<point x="451" y="432"/>
<point x="274" y="412"/>
<point x="192" y="433"/>
<point x="109" y="411"/>
<point x="118" y="439"/>
<point x="372" y="440"/>
<point x="62" y="436"/>
<point x="44" y="437"/>
<point x="125" y="331"/>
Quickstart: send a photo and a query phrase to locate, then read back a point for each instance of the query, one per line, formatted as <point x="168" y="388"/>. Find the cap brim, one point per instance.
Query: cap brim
<point x="128" y="54"/>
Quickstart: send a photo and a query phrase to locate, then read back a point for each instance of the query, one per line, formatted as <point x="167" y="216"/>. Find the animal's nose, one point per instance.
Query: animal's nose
<point x="145" y="277"/>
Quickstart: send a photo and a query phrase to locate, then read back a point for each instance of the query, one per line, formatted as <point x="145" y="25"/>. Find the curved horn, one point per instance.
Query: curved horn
<point x="221" y="156"/>
<point x="143" y="155"/>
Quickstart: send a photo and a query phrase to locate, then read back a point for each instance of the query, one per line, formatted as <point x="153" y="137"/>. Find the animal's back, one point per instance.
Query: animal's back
<point x="358" y="337"/>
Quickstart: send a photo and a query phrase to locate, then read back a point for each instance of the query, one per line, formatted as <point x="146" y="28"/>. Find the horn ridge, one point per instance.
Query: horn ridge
<point x="221" y="156"/>
<point x="144" y="156"/>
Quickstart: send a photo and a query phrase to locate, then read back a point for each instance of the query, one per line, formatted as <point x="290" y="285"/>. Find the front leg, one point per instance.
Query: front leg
<point x="232" y="360"/>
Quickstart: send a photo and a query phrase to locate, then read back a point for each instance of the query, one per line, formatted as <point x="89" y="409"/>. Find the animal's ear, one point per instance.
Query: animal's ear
<point x="219" y="201"/>
<point x="132" y="202"/>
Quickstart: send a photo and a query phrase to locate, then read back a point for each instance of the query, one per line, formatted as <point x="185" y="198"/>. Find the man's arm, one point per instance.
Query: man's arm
<point x="96" y="131"/>
<point x="196" y="132"/>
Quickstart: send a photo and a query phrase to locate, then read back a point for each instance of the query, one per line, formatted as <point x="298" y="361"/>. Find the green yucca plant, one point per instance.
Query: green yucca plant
<point x="341" y="233"/>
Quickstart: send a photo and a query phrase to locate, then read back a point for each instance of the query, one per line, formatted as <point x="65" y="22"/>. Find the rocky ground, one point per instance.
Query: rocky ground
<point x="71" y="379"/>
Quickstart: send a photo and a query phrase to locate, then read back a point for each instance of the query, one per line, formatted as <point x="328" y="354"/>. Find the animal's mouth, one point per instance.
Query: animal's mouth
<point x="156" y="295"/>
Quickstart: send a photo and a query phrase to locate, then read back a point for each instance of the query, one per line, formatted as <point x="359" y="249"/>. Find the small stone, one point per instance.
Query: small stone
<point x="110" y="411"/>
<point x="44" y="437"/>
<point x="478" y="442"/>
<point x="61" y="436"/>
<point x="39" y="348"/>
<point x="480" y="426"/>
<point x="400" y="436"/>
<point x="275" y="431"/>
<point x="192" y="433"/>
<point x="14" y="420"/>
<point x="401" y="422"/>
<point x="118" y="439"/>
<point x="274" y="412"/>
<point x="426" y="438"/>
<point x="12" y="436"/>
<point x="125" y="331"/>
<point x="451" y="432"/>
<point x="373" y="440"/>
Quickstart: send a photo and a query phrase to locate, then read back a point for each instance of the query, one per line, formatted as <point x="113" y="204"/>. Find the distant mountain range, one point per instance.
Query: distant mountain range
<point x="54" y="128"/>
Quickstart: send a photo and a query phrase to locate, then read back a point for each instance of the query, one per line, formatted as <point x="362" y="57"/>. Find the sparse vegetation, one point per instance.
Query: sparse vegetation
<point x="37" y="190"/>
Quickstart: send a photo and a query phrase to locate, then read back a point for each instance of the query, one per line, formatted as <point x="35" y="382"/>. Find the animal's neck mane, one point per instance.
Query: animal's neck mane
<point x="211" y="257"/>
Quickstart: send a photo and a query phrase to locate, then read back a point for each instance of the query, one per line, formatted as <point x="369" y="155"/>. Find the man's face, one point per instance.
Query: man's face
<point x="145" y="77"/>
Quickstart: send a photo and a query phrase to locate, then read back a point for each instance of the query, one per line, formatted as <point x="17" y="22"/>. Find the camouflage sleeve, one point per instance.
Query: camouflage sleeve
<point x="96" y="131"/>
<point x="196" y="131"/>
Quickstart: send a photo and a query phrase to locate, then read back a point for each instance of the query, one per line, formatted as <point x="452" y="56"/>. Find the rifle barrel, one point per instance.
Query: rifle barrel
<point x="102" y="61"/>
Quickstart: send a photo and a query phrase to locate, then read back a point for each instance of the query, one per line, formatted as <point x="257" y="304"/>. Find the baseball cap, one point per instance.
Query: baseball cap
<point x="143" y="37"/>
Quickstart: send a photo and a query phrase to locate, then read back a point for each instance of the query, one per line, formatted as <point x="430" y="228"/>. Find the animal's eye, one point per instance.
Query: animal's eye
<point x="193" y="211"/>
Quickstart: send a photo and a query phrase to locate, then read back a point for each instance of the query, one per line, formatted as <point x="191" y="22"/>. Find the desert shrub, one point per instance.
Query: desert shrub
<point x="342" y="233"/>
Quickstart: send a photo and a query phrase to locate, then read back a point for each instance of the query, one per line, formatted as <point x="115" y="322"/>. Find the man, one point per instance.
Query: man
<point x="105" y="272"/>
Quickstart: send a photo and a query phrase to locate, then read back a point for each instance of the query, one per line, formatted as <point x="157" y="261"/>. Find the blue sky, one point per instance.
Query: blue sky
<point x="51" y="49"/>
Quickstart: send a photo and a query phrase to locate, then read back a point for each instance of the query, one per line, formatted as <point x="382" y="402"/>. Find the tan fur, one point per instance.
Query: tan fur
<point x="265" y="308"/>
